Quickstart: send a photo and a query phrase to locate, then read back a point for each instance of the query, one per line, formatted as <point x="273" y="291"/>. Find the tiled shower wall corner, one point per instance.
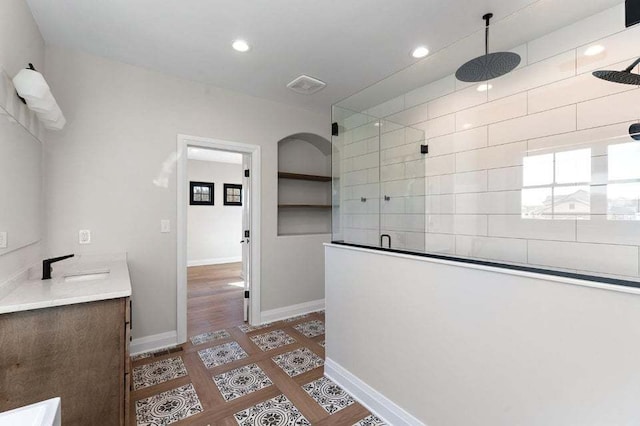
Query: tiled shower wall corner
<point x="467" y="196"/>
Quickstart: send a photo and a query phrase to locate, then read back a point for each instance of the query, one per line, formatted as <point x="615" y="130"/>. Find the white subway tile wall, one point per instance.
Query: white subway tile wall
<point x="382" y="177"/>
<point x="468" y="196"/>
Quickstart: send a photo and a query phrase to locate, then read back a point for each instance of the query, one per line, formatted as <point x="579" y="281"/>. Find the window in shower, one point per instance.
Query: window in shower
<point x="623" y="190"/>
<point x="557" y="185"/>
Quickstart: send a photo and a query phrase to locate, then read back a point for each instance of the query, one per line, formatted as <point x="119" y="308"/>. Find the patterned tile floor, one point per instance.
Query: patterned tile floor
<point x="263" y="376"/>
<point x="241" y="381"/>
<point x="329" y="395"/>
<point x="370" y="421"/>
<point x="222" y="354"/>
<point x="168" y="407"/>
<point x="298" y="361"/>
<point x="274" y="411"/>
<point x="211" y="336"/>
<point x="311" y="329"/>
<point x="158" y="372"/>
<point x="272" y="340"/>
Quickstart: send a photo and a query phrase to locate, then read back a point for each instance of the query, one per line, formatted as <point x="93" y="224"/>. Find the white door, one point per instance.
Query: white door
<point x="246" y="232"/>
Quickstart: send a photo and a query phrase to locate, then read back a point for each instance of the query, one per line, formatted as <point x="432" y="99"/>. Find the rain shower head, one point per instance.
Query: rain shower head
<point x="634" y="131"/>
<point x="622" y="77"/>
<point x="489" y="65"/>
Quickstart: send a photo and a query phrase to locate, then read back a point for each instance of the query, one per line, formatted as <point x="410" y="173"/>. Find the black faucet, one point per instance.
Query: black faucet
<point x="46" y="265"/>
<point x="382" y="237"/>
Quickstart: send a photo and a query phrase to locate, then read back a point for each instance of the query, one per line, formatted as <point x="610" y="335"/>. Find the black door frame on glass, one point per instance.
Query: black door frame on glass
<point x="193" y="201"/>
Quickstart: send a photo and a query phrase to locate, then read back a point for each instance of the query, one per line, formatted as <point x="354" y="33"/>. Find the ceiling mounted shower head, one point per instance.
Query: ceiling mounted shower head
<point x="622" y="77"/>
<point x="634" y="131"/>
<point x="489" y="65"/>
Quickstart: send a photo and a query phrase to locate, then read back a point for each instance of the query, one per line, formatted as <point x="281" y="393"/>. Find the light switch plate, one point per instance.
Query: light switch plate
<point x="84" y="236"/>
<point x="3" y="239"/>
<point x="165" y="226"/>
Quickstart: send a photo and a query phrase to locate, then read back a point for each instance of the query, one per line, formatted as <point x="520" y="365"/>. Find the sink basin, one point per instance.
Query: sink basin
<point x="45" y="413"/>
<point x="91" y="276"/>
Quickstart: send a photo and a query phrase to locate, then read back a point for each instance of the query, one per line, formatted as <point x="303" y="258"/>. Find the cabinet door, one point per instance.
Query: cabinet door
<point x="74" y="352"/>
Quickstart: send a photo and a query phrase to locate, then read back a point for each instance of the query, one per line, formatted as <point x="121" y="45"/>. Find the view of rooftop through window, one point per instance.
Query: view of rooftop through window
<point x="560" y="185"/>
<point x="557" y="185"/>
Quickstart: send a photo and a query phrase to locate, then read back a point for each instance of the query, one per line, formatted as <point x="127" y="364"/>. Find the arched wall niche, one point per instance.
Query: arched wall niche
<point x="304" y="185"/>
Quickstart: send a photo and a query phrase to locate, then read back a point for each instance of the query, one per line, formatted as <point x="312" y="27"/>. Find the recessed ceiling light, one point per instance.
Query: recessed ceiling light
<point x="420" y="52"/>
<point x="594" y="50"/>
<point x="240" y="45"/>
<point x="484" y="87"/>
<point x="377" y="124"/>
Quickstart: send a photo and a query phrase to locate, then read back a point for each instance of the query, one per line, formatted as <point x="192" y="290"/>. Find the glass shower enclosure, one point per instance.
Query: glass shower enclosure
<point x="538" y="169"/>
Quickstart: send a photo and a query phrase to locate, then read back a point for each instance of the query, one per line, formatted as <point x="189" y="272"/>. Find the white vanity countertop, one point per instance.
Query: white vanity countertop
<point x="33" y="293"/>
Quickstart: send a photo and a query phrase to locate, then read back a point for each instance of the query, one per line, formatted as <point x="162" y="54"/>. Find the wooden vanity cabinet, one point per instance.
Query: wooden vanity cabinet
<point x="78" y="352"/>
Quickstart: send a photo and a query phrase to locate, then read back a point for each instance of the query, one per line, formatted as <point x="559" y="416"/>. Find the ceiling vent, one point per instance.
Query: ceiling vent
<point x="306" y="85"/>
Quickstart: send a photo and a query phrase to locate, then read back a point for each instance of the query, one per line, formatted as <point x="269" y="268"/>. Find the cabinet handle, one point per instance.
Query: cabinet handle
<point x="130" y="315"/>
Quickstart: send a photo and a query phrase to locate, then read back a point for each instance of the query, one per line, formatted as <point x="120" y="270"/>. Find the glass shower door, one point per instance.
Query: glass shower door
<point x="356" y="177"/>
<point x="379" y="182"/>
<point x="402" y="186"/>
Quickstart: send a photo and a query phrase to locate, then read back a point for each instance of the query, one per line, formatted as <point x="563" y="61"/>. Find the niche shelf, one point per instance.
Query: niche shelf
<point x="304" y="185"/>
<point x="304" y="206"/>
<point x="298" y="176"/>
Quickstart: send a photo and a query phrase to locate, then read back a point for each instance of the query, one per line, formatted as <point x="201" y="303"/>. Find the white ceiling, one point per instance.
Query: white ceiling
<point x="349" y="44"/>
<point x="203" y="154"/>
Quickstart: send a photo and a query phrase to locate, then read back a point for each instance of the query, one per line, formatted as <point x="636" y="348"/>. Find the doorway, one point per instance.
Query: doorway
<point x="218" y="235"/>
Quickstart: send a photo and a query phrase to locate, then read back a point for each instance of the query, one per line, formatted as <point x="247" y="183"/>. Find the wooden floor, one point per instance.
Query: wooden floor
<point x="214" y="305"/>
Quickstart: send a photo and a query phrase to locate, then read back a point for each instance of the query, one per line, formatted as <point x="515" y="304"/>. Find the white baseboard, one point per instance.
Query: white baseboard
<point x="291" y="311"/>
<point x="154" y="342"/>
<point x="214" y="261"/>
<point x="373" y="400"/>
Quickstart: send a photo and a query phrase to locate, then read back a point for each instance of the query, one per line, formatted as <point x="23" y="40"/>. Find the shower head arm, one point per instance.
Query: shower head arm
<point x="487" y="19"/>
<point x="633" y="65"/>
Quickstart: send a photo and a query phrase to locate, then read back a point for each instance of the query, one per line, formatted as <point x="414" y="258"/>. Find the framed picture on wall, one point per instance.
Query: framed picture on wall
<point x="201" y="193"/>
<point x="232" y="194"/>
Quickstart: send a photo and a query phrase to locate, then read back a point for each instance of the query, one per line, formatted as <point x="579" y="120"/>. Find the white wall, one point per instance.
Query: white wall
<point x="20" y="43"/>
<point x="121" y="138"/>
<point x="467" y="195"/>
<point x="456" y="346"/>
<point x="311" y="156"/>
<point x="214" y="232"/>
